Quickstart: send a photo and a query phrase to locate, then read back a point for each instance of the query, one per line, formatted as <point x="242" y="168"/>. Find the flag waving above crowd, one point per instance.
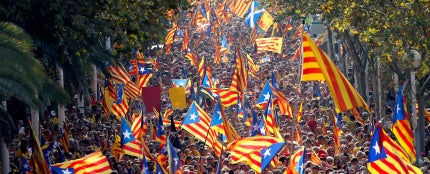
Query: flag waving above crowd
<point x="233" y="87"/>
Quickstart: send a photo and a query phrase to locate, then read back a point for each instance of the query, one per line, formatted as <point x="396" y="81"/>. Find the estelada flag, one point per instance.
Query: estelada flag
<point x="177" y="97"/>
<point x="151" y="97"/>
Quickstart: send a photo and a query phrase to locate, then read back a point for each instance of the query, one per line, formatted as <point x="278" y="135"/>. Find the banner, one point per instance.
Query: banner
<point x="151" y="97"/>
<point x="177" y="97"/>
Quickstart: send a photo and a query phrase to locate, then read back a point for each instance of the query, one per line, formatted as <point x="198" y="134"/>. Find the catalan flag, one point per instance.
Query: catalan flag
<point x="37" y="159"/>
<point x="344" y="95"/>
<point x="161" y="133"/>
<point x="239" y="7"/>
<point x="143" y="77"/>
<point x="239" y="81"/>
<point x="25" y="167"/>
<point x="259" y="159"/>
<point x="118" y="74"/>
<point x="253" y="68"/>
<point x="131" y="90"/>
<point x="197" y="123"/>
<point x="65" y="138"/>
<point x="357" y="116"/>
<point x="116" y="150"/>
<point x="58" y="170"/>
<point x="170" y="37"/>
<point x="130" y="144"/>
<point x="297" y="162"/>
<point x="255" y="128"/>
<point x="186" y="40"/>
<point x="133" y="70"/>
<point x="167" y="112"/>
<point x="226" y="96"/>
<point x="145" y="167"/>
<point x="137" y="126"/>
<point x="220" y="124"/>
<point x="159" y="169"/>
<point x="315" y="158"/>
<point x="167" y="122"/>
<point x="95" y="162"/>
<point x="264" y="96"/>
<point x="174" y="160"/>
<point x="272" y="44"/>
<point x="190" y="56"/>
<point x="270" y="117"/>
<point x="300" y="113"/>
<point x="336" y="132"/>
<point x="384" y="158"/>
<point x="240" y="149"/>
<point x="120" y="107"/>
<point x="266" y="20"/>
<point x="402" y="128"/>
<point x="224" y="48"/>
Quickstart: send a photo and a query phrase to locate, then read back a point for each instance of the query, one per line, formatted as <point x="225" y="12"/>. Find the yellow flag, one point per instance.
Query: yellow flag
<point x="266" y="21"/>
<point x="177" y="97"/>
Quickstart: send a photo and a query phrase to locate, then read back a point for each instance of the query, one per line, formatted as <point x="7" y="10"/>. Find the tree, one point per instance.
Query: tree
<point x="70" y="35"/>
<point x="21" y="77"/>
<point x="378" y="30"/>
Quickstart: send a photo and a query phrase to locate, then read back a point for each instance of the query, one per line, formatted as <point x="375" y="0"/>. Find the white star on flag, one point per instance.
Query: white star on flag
<point x="219" y="115"/>
<point x="266" y="153"/>
<point x="193" y="117"/>
<point x="66" y="171"/>
<point x="126" y="134"/>
<point x="398" y="108"/>
<point x="262" y="130"/>
<point x="266" y="96"/>
<point x="142" y="69"/>
<point x="377" y="149"/>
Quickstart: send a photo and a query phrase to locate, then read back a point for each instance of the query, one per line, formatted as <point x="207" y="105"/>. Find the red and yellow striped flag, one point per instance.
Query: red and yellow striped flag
<point x="239" y="81"/>
<point x="117" y="151"/>
<point x="119" y="74"/>
<point x="169" y="38"/>
<point x="253" y="68"/>
<point x="240" y="7"/>
<point x="344" y="94"/>
<point x="226" y="96"/>
<point x="197" y="123"/>
<point x="240" y="149"/>
<point x="37" y="161"/>
<point x="402" y="128"/>
<point x="300" y="113"/>
<point x="266" y="20"/>
<point x="137" y="126"/>
<point x="272" y="44"/>
<point x="95" y="162"/>
<point x="186" y="40"/>
<point x="385" y="158"/>
<point x="193" y="59"/>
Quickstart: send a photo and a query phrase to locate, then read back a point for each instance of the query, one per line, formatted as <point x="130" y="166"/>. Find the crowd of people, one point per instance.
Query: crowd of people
<point x="93" y="129"/>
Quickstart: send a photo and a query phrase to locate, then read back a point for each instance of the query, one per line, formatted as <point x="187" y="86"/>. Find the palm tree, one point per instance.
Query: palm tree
<point x="21" y="77"/>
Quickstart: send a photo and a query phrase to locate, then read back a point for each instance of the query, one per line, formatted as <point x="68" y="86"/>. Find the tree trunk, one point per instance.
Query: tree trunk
<point x="4" y="152"/>
<point x="4" y="156"/>
<point x="61" y="114"/>
<point x="35" y="121"/>
<point x="94" y="81"/>
<point x="330" y="42"/>
<point x="378" y="69"/>
<point x="81" y="103"/>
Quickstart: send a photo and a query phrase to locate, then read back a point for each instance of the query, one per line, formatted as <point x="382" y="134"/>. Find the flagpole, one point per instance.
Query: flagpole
<point x="218" y="170"/>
